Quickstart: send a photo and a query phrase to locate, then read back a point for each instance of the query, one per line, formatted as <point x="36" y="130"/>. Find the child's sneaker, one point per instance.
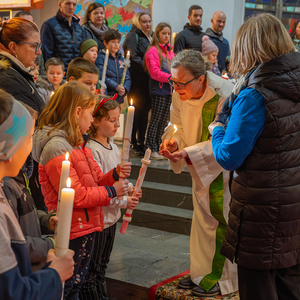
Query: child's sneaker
<point x="157" y="156"/>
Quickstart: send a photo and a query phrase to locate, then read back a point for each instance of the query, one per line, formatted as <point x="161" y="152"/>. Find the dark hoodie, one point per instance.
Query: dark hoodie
<point x="19" y="197"/>
<point x="223" y="46"/>
<point x="189" y="38"/>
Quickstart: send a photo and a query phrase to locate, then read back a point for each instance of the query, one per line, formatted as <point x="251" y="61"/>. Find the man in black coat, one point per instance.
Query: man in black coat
<point x="191" y="35"/>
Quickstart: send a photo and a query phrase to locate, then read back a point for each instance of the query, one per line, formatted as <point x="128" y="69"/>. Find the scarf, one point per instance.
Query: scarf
<point x="98" y="32"/>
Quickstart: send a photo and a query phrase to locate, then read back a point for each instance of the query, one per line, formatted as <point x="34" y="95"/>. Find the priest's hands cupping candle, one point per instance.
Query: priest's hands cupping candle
<point x="168" y="148"/>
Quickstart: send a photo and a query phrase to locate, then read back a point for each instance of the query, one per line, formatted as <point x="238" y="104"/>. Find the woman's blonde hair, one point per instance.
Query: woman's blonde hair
<point x="60" y="110"/>
<point x="136" y="20"/>
<point x="260" y="39"/>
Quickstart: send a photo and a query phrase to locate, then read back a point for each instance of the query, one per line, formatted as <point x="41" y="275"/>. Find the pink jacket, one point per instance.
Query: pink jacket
<point x="153" y="63"/>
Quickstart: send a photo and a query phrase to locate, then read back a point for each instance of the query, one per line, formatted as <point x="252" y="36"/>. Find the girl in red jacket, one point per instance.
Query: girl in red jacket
<point x="62" y="127"/>
<point x="158" y="60"/>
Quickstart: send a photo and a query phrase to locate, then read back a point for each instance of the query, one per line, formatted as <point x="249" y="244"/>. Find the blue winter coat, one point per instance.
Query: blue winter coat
<point x="59" y="39"/>
<point x="114" y="72"/>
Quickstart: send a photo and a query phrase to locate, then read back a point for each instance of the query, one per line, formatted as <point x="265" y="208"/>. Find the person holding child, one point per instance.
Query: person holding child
<point x="107" y="155"/>
<point x="210" y="54"/>
<point x="62" y="127"/>
<point x="16" y="278"/>
<point x="158" y="59"/>
<point x="55" y="72"/>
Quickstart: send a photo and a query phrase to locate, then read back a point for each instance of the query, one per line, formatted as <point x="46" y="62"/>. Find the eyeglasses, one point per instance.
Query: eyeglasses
<point x="180" y="85"/>
<point x="38" y="46"/>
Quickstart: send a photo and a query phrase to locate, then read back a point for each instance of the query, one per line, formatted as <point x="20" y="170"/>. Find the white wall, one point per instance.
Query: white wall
<point x="175" y="13"/>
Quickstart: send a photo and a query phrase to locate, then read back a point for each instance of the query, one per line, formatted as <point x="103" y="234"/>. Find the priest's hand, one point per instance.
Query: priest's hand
<point x="125" y="170"/>
<point x="171" y="145"/>
<point x="174" y="157"/>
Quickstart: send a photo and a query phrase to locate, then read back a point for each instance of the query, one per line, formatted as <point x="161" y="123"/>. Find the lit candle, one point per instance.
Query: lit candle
<point x="64" y="175"/>
<point x="52" y="93"/>
<point x="173" y="38"/>
<point x="127" y="135"/>
<point x="104" y="69"/>
<point x="225" y="76"/>
<point x="175" y="129"/>
<point x="64" y="223"/>
<point x="145" y="162"/>
<point x="126" y="65"/>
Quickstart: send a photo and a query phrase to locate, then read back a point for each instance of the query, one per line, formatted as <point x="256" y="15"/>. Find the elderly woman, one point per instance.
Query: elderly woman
<point x="95" y="24"/>
<point x="19" y="46"/>
<point x="137" y="42"/>
<point x="261" y="145"/>
<point x="197" y="98"/>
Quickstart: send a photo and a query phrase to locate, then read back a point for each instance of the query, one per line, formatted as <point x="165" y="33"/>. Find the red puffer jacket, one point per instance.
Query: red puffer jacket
<point x="92" y="188"/>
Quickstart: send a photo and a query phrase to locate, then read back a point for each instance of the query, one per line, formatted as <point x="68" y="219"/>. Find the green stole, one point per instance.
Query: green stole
<point x="216" y="202"/>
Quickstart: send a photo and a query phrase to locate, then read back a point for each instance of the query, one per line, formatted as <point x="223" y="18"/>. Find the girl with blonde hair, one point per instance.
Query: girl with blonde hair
<point x="260" y="144"/>
<point x="62" y="127"/>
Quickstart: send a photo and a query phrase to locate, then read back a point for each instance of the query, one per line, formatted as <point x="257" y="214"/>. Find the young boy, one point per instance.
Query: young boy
<point x="84" y="72"/>
<point x="16" y="278"/>
<point x="34" y="70"/>
<point x="89" y="50"/>
<point x="54" y="78"/>
<point x="115" y="66"/>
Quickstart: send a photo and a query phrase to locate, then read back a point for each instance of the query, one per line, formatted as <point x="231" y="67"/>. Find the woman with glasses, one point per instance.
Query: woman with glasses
<point x="158" y="59"/>
<point x="95" y="24"/>
<point x="197" y="99"/>
<point x="137" y="42"/>
<point x="19" y="46"/>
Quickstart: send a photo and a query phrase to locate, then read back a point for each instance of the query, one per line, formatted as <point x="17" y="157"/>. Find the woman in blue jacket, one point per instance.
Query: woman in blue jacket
<point x="115" y="66"/>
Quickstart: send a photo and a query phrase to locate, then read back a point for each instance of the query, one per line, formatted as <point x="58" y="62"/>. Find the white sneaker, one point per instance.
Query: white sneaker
<point x="157" y="156"/>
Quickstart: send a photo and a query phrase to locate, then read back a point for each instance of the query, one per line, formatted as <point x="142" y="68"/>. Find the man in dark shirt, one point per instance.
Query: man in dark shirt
<point x="191" y="35"/>
<point x="215" y="33"/>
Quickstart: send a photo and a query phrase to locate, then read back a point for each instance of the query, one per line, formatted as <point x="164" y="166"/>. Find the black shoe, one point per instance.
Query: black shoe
<point x="136" y="149"/>
<point x="200" y="292"/>
<point x="186" y="283"/>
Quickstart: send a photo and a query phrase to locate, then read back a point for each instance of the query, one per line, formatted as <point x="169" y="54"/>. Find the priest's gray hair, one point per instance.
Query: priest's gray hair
<point x="192" y="61"/>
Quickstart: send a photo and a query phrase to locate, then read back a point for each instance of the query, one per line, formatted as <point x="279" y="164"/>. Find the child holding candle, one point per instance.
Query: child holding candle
<point x="157" y="62"/>
<point x="115" y="66"/>
<point x="16" y="278"/>
<point x="67" y="117"/>
<point x="107" y="156"/>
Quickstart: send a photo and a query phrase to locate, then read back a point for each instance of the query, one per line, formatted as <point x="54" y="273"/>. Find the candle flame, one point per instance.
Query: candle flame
<point x="67" y="156"/>
<point x="128" y="52"/>
<point x="69" y="182"/>
<point x="175" y="127"/>
<point x="52" y="93"/>
<point x="106" y="50"/>
<point x="131" y="102"/>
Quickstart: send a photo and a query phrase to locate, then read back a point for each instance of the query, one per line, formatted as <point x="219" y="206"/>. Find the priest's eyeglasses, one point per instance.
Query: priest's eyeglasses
<point x="37" y="46"/>
<point x="180" y="85"/>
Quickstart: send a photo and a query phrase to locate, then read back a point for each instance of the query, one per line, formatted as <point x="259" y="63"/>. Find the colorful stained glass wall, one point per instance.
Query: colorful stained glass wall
<point x="117" y="12"/>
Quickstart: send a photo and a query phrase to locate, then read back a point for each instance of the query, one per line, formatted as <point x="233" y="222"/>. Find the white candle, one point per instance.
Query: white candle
<point x="64" y="222"/>
<point x="127" y="134"/>
<point x="126" y="63"/>
<point x="105" y="66"/>
<point x="64" y="175"/>
<point x="145" y="162"/>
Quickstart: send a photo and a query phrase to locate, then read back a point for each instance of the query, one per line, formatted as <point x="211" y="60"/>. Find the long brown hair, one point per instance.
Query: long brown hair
<point x="293" y="29"/>
<point x="60" y="110"/>
<point x="16" y="30"/>
<point x="155" y="42"/>
<point x="89" y="10"/>
<point x="260" y="39"/>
